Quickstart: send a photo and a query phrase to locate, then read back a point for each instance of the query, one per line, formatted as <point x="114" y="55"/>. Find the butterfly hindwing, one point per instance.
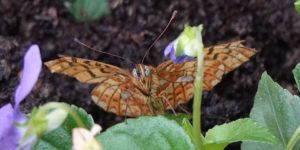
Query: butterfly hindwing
<point x="178" y="86"/>
<point x="86" y="71"/>
<point x="121" y="99"/>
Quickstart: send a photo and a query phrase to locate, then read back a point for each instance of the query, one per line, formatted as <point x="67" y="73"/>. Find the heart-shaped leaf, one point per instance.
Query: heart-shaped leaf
<point x="276" y="109"/>
<point x="147" y="133"/>
<point x="246" y="129"/>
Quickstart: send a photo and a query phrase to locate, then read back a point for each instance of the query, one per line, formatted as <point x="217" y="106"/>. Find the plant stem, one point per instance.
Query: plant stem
<point x="293" y="140"/>
<point x="197" y="101"/>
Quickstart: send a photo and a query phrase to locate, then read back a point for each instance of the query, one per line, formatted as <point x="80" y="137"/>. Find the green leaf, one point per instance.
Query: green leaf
<point x="296" y="72"/>
<point x="297" y="6"/>
<point x="188" y="128"/>
<point x="179" y="117"/>
<point x="246" y="129"/>
<point x="278" y="110"/>
<point x="293" y="140"/>
<point x="87" y="10"/>
<point x="147" y="133"/>
<point x="61" y="137"/>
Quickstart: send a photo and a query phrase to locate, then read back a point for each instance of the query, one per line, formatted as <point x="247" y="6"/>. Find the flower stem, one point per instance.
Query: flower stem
<point x="198" y="141"/>
<point x="293" y="140"/>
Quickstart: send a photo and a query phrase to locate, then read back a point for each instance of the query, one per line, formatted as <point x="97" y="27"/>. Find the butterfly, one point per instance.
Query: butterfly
<point x="148" y="90"/>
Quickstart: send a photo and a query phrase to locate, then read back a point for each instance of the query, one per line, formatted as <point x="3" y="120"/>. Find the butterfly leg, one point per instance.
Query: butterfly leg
<point x="166" y="101"/>
<point x="183" y="109"/>
<point x="126" y="108"/>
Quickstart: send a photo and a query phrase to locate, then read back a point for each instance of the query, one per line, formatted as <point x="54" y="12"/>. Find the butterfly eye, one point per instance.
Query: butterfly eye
<point x="147" y="71"/>
<point x="135" y="73"/>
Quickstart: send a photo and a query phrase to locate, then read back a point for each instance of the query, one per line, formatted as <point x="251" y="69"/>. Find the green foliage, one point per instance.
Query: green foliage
<point x="294" y="139"/>
<point x="188" y="128"/>
<point x="146" y="133"/>
<point x="276" y="109"/>
<point x="297" y="5"/>
<point x="179" y="117"/>
<point x="220" y="136"/>
<point x="87" y="10"/>
<point x="296" y="72"/>
<point x="161" y="133"/>
<point x="61" y="137"/>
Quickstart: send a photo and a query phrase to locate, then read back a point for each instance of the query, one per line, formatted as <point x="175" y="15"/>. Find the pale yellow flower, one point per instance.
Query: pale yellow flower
<point x="84" y="139"/>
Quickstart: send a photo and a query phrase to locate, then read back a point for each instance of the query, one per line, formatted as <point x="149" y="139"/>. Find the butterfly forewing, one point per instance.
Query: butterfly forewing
<point x="115" y="91"/>
<point x="231" y="55"/>
<point x="86" y="71"/>
<point x="177" y="79"/>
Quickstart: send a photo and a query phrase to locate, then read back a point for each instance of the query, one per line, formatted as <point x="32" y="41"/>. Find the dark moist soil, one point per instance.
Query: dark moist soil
<point x="272" y="27"/>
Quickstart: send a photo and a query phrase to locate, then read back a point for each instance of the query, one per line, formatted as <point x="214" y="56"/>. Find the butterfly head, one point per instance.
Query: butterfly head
<point x="144" y="74"/>
<point x="141" y="71"/>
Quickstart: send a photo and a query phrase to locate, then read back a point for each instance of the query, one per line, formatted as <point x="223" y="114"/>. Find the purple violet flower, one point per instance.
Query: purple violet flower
<point x="10" y="134"/>
<point x="170" y="52"/>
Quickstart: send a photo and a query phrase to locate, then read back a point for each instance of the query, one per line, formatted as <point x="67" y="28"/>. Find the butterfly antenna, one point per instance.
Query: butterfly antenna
<point x="184" y="110"/>
<point x="89" y="47"/>
<point x="171" y="19"/>
<point x="126" y="108"/>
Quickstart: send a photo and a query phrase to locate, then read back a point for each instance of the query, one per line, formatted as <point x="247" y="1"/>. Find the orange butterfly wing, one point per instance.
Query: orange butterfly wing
<point x="119" y="92"/>
<point x="177" y="79"/>
<point x="231" y="55"/>
<point x="116" y="90"/>
<point x="177" y="85"/>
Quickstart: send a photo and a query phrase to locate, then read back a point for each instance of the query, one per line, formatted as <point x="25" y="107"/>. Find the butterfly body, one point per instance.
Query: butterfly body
<point x="148" y="90"/>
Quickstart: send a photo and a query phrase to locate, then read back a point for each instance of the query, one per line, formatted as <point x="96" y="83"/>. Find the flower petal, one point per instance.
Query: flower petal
<point x="7" y="118"/>
<point x="96" y="129"/>
<point x="169" y="49"/>
<point x="31" y="70"/>
<point x="11" y="139"/>
<point x="9" y="133"/>
<point x="183" y="58"/>
<point x="83" y="139"/>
